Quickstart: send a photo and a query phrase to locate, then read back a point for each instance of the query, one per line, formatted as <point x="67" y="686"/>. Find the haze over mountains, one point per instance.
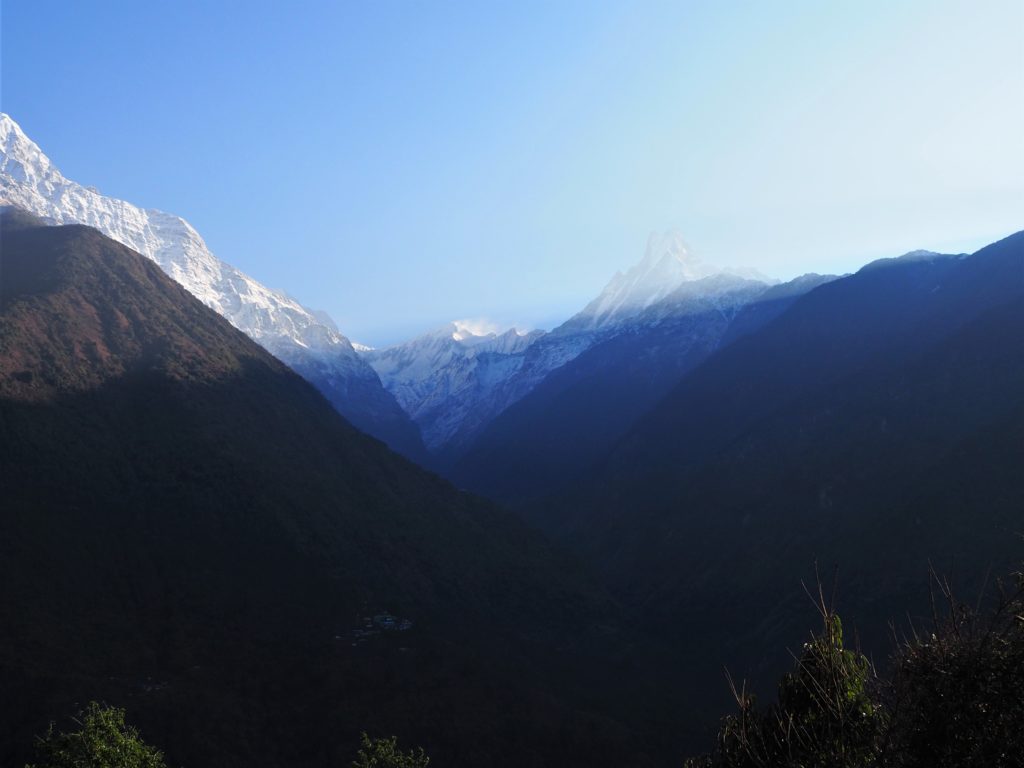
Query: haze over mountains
<point x="668" y="282"/>
<point x="187" y="524"/>
<point x="194" y="531"/>
<point x="442" y="389"/>
<point x="876" y="425"/>
<point x="575" y="415"/>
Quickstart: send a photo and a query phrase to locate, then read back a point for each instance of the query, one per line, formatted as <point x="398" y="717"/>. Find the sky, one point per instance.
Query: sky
<point x="403" y="164"/>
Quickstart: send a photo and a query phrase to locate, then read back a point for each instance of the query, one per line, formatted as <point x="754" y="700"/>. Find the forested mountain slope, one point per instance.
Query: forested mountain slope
<point x="876" y="425"/>
<point x="189" y="530"/>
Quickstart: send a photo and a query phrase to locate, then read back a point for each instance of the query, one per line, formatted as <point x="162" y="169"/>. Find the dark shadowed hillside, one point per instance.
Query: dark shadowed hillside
<point x="190" y="531"/>
<point x="877" y="424"/>
<point x="575" y="416"/>
<point x="365" y="403"/>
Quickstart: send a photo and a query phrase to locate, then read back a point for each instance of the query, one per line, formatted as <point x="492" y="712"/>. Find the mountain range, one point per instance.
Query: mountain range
<point x="455" y="401"/>
<point x="201" y="523"/>
<point x="575" y="415"/>
<point x="305" y="340"/>
<point x="431" y="398"/>
<point x="876" y="425"/>
<point x="190" y="529"/>
<point x="445" y="379"/>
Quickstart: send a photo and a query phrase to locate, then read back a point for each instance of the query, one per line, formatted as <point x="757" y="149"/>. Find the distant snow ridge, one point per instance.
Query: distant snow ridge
<point x="665" y="283"/>
<point x="441" y="376"/>
<point x="306" y="341"/>
<point x="455" y="381"/>
<point x="29" y="180"/>
<point x="667" y="264"/>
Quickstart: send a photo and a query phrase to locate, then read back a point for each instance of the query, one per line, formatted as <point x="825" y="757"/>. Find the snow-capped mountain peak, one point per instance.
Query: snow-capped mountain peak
<point x="29" y="180"/>
<point x="488" y="337"/>
<point x="305" y="340"/>
<point x="667" y="264"/>
<point x="455" y="380"/>
<point x="21" y="159"/>
<point x="439" y="376"/>
<point x="476" y="328"/>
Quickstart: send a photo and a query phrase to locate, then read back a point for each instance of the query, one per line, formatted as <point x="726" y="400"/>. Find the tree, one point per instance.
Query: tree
<point x="952" y="698"/>
<point x="957" y="687"/>
<point x="825" y="715"/>
<point x="384" y="753"/>
<point x="104" y="741"/>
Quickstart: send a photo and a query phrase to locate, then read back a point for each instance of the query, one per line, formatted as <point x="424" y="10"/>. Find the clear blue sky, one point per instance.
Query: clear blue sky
<point x="400" y="164"/>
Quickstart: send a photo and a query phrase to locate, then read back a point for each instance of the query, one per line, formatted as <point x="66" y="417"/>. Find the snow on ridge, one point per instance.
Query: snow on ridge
<point x="440" y="376"/>
<point x="29" y="180"/>
<point x="476" y="327"/>
<point x="667" y="264"/>
<point x="467" y="333"/>
<point x="454" y="379"/>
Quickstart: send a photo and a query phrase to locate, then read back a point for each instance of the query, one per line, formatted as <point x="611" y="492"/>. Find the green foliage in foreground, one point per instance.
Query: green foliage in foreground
<point x="384" y="753"/>
<point x="954" y="698"/>
<point x="104" y="741"/>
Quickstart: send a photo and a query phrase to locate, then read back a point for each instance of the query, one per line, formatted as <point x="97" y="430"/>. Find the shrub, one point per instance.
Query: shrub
<point x="825" y="715"/>
<point x="954" y="698"/>
<point x="104" y="741"/>
<point x="956" y="691"/>
<point x="384" y="753"/>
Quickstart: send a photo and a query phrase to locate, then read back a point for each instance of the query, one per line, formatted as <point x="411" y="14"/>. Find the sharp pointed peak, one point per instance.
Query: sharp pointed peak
<point x="11" y="132"/>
